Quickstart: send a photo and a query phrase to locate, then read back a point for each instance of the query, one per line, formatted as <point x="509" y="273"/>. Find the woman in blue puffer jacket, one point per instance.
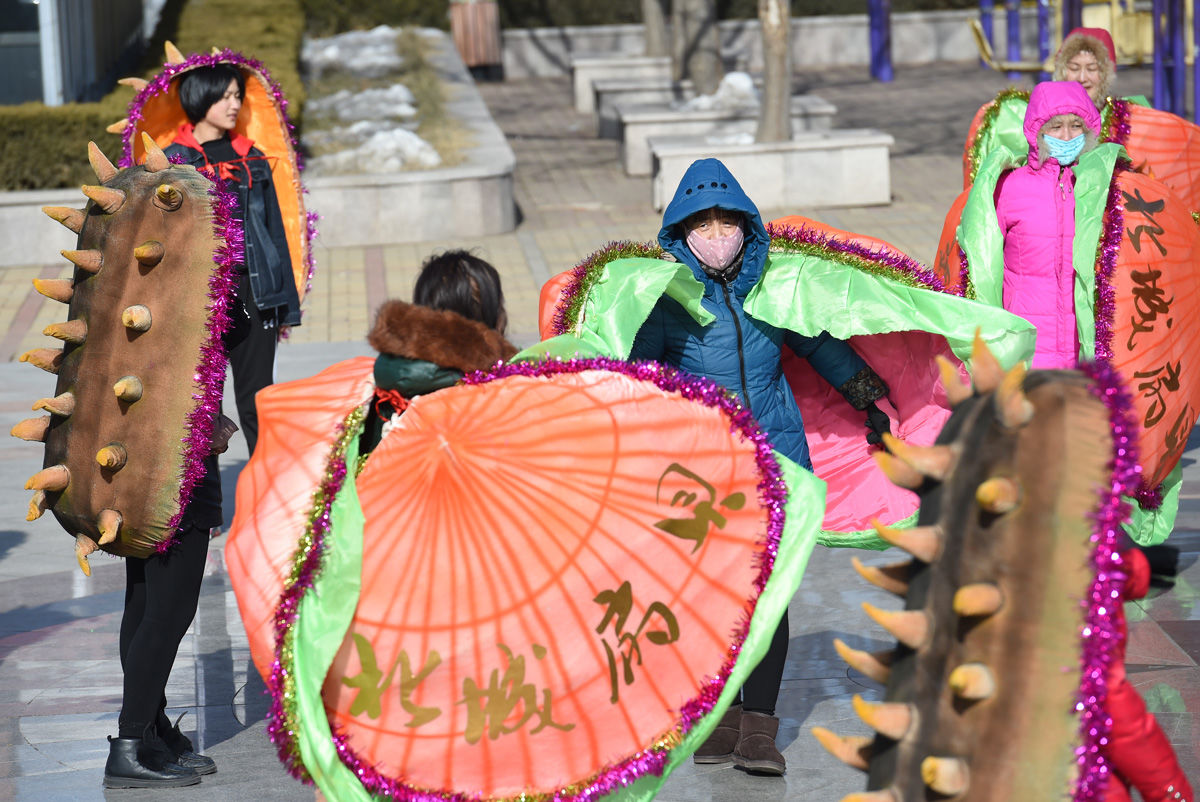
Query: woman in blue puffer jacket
<point x="715" y="229"/>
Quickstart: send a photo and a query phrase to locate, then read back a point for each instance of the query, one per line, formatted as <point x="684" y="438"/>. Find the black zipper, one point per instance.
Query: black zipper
<point x="737" y="325"/>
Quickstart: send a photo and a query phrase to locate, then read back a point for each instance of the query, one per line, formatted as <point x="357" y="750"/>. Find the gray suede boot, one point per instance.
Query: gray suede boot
<point x="756" y="750"/>
<point x="719" y="746"/>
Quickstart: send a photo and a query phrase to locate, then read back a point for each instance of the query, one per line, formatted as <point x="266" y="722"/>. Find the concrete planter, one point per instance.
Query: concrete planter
<point x="30" y="237"/>
<point x="586" y="69"/>
<point x="818" y="168"/>
<point x="639" y="124"/>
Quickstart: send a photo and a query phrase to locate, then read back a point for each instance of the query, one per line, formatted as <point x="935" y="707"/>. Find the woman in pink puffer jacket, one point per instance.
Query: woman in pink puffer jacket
<point x="1035" y="206"/>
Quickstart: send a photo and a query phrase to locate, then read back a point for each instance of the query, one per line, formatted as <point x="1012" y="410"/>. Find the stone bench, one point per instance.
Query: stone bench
<point x="639" y="123"/>
<point x="608" y="92"/>
<point x="841" y="167"/>
<point x="590" y="67"/>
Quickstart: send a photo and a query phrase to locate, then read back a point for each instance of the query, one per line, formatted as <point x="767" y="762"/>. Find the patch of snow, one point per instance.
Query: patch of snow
<point x="383" y="151"/>
<point x="736" y="91"/>
<point x="395" y="101"/>
<point x="370" y="54"/>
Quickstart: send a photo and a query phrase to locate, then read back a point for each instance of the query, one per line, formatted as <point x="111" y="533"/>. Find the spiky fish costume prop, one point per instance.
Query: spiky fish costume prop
<point x="141" y="367"/>
<point x="1001" y="686"/>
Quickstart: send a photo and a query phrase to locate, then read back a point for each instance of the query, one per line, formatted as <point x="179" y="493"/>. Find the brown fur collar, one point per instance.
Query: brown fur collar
<point x="444" y="338"/>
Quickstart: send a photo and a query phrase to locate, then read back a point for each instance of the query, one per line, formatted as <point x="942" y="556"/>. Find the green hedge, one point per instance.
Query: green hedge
<point x="46" y="147"/>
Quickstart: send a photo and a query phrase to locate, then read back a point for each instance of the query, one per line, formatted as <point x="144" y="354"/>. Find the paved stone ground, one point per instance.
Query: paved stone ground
<point x="59" y="676"/>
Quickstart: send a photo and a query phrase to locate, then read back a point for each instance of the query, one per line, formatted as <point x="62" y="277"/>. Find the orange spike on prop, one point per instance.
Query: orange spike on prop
<point x="936" y="462"/>
<point x="853" y="750"/>
<point x="136" y="317"/>
<point x="155" y="158"/>
<point x="109" y="522"/>
<point x="48" y="359"/>
<point x="998" y="495"/>
<point x="90" y="260"/>
<point x="101" y="166"/>
<point x="168" y="197"/>
<point x="113" y="456"/>
<point x="981" y="598"/>
<point x="892" y="578"/>
<point x="972" y="681"/>
<point x="37" y="505"/>
<point x="886" y="718"/>
<point x="56" y="289"/>
<point x="71" y="218"/>
<point x="128" y="388"/>
<point x="107" y="198"/>
<point x="1013" y="408"/>
<point x="885" y="795"/>
<point x="149" y="253"/>
<point x="71" y="331"/>
<point x="118" y="127"/>
<point x="171" y="53"/>
<point x="956" y="391"/>
<point x="62" y="404"/>
<point x="32" y="429"/>
<point x="876" y="665"/>
<point x="986" y="373"/>
<point x="946" y="775"/>
<point x="910" y="627"/>
<point x="56" y="477"/>
<point x="899" y="472"/>
<point x="922" y="542"/>
<point x="137" y="84"/>
<point x="84" y="546"/>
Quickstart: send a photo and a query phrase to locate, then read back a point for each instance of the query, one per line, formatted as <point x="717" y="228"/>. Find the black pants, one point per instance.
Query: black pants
<point x="161" y="596"/>
<point x="761" y="690"/>
<point x="252" y="362"/>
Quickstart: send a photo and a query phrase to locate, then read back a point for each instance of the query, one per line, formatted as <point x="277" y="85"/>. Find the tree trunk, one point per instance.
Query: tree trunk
<point x="774" y="117"/>
<point x="654" y="20"/>
<point x="696" y="45"/>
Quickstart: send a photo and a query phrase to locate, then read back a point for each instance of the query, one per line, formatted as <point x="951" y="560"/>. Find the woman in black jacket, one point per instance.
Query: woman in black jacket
<point x="212" y="98"/>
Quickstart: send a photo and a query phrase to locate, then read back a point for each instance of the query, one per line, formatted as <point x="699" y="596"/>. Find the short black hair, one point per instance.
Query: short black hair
<point x="200" y="88"/>
<point x="461" y="282"/>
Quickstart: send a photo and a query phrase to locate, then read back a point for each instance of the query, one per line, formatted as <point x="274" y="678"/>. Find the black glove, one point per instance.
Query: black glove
<point x="877" y="423"/>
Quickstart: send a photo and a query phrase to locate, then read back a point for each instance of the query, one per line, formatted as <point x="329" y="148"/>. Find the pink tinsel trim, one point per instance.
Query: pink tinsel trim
<point x="289" y="603"/>
<point x="772" y="494"/>
<point x="1108" y="250"/>
<point x="209" y="376"/>
<point x="1149" y="498"/>
<point x="883" y="257"/>
<point x="1101" y="631"/>
<point x="1118" y="124"/>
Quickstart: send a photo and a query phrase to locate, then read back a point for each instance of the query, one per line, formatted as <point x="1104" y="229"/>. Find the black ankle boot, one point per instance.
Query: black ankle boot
<point x="183" y="751"/>
<point x="144" y="763"/>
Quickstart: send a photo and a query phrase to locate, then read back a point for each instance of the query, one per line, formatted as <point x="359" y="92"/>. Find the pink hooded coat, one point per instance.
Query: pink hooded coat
<point x="1035" y="207"/>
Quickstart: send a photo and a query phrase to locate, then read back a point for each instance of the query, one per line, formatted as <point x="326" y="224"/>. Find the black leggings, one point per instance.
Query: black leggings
<point x="761" y="690"/>
<point x="161" y="596"/>
<point x="252" y="362"/>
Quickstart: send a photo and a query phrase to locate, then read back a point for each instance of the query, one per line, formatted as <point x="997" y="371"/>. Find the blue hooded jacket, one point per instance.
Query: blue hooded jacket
<point x="740" y="353"/>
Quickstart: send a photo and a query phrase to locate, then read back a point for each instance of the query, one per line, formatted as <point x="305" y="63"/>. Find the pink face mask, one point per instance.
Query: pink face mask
<point x="716" y="253"/>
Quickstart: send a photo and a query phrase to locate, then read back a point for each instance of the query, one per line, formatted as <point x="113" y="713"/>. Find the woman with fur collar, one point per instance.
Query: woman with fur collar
<point x="454" y="325"/>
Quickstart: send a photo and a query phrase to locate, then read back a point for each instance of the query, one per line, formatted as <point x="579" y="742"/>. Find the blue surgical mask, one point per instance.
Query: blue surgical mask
<point x="1065" y="151"/>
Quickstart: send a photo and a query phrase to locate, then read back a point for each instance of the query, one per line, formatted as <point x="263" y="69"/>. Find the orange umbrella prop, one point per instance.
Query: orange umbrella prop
<point x="543" y="577"/>
<point x="296" y="421"/>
